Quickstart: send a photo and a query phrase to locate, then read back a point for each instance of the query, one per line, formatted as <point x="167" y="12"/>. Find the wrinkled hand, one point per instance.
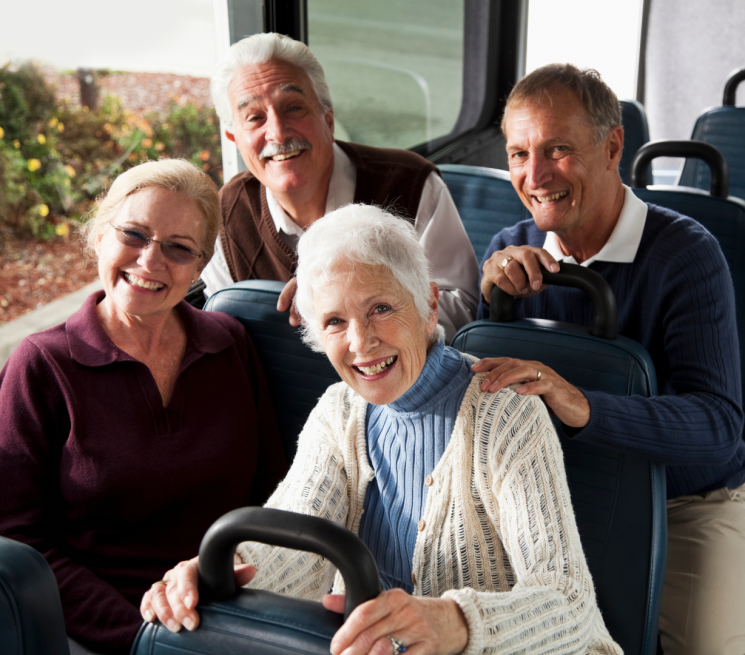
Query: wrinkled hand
<point x="427" y="626"/>
<point x="511" y="278"/>
<point x="173" y="604"/>
<point x="285" y="302"/>
<point x="566" y="401"/>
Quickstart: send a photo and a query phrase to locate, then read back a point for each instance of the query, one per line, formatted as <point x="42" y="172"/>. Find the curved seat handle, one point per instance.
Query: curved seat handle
<point x="277" y="527"/>
<point x="691" y="149"/>
<point x="730" y="86"/>
<point x="604" y="321"/>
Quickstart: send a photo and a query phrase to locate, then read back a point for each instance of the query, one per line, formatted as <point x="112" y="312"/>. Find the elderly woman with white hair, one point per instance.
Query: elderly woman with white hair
<point x="128" y="429"/>
<point x="460" y="494"/>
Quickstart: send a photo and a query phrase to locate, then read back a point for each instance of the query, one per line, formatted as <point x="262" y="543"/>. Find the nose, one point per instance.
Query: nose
<point x="361" y="335"/>
<point x="276" y="128"/>
<point x="539" y="171"/>
<point x="152" y="258"/>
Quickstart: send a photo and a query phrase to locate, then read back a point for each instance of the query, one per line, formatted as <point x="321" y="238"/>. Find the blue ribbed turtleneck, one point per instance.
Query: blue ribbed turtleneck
<point x="405" y="441"/>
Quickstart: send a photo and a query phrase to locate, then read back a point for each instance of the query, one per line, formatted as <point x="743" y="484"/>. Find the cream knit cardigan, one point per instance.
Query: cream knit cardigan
<point x="499" y="535"/>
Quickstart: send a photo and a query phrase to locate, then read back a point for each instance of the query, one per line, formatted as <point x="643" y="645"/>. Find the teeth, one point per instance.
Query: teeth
<point x="139" y="282"/>
<point x="374" y="370"/>
<point x="286" y="155"/>
<point x="555" y="196"/>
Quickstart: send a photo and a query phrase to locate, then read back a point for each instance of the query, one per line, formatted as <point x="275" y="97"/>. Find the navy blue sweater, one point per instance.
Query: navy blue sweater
<point x="677" y="300"/>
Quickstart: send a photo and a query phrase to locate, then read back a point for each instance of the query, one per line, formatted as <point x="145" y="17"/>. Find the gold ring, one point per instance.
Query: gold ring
<point x="163" y="582"/>
<point x="505" y="262"/>
<point x="539" y="375"/>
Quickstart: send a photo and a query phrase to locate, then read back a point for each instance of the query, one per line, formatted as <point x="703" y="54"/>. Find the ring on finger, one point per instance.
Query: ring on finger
<point x="505" y="262"/>
<point x="538" y="377"/>
<point x="163" y="582"/>
<point x="398" y="645"/>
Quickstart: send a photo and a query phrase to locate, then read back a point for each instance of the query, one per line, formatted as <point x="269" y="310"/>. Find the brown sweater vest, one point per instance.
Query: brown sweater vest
<point x="391" y="179"/>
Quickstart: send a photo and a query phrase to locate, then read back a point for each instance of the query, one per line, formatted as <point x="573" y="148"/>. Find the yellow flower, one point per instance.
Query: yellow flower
<point x="147" y="143"/>
<point x="41" y="139"/>
<point x="34" y="165"/>
<point x="16" y="143"/>
<point x="70" y="170"/>
<point x="43" y="211"/>
<point x="53" y="122"/>
<point x="2" y="132"/>
<point x="62" y="230"/>
<point x="61" y="126"/>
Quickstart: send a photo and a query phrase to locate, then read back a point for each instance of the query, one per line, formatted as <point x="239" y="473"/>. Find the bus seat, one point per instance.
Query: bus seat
<point x="635" y="135"/>
<point x="722" y="215"/>
<point x="486" y="201"/>
<point x="31" y="621"/>
<point x="296" y="375"/>
<point x="619" y="498"/>
<point x="724" y="128"/>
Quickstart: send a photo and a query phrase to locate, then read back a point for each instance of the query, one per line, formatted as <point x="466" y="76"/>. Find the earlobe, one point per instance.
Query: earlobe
<point x="615" y="146"/>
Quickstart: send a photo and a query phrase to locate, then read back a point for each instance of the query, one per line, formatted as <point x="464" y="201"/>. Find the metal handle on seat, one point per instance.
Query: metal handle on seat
<point x="730" y="86"/>
<point x="604" y="320"/>
<point x="690" y="149"/>
<point x="290" y="530"/>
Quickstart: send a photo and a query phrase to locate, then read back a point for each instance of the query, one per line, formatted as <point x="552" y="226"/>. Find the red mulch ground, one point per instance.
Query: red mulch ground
<point x="33" y="273"/>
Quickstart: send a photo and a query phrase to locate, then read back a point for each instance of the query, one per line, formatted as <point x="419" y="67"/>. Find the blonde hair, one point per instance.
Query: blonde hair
<point x="177" y="175"/>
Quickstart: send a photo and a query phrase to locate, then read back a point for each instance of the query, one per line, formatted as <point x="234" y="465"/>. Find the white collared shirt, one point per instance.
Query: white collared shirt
<point x="623" y="242"/>
<point x="438" y="224"/>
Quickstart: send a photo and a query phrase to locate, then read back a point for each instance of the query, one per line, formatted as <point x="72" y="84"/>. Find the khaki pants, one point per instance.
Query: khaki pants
<point x="703" y="600"/>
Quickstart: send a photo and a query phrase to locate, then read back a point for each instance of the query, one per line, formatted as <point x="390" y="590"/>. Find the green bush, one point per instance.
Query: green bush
<point x="56" y="158"/>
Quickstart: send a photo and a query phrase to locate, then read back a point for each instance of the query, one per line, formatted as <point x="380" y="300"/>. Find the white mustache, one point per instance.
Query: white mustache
<point x="292" y="145"/>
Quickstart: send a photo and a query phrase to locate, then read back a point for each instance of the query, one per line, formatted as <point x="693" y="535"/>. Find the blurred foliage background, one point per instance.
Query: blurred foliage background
<point x="56" y="157"/>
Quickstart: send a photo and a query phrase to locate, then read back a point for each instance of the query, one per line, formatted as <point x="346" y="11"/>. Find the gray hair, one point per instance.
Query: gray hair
<point x="364" y="235"/>
<point x="600" y="103"/>
<point x="259" y="49"/>
<point x="177" y="175"/>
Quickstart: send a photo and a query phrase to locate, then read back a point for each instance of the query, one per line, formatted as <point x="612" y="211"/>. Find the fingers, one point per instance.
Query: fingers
<point x="287" y="295"/>
<point x="517" y="271"/>
<point x="368" y="623"/>
<point x="334" y="602"/>
<point x="506" y="371"/>
<point x="173" y="604"/>
<point x="244" y="573"/>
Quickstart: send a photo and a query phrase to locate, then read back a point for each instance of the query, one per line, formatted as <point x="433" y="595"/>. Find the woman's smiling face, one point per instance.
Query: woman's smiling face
<point x="143" y="282"/>
<point x="371" y="330"/>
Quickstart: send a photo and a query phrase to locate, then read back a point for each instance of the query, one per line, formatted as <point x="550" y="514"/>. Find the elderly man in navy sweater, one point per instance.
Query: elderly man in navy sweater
<point x="675" y="297"/>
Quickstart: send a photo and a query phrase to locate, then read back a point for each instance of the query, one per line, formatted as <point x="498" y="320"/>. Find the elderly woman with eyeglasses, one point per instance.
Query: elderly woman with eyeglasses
<point x="127" y="430"/>
<point x="461" y="495"/>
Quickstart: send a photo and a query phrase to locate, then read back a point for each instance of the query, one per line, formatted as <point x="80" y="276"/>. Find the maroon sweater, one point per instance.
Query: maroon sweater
<point x="110" y="486"/>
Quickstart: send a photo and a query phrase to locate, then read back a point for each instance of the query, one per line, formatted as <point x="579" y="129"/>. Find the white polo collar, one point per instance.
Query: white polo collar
<point x="341" y="192"/>
<point x="623" y="242"/>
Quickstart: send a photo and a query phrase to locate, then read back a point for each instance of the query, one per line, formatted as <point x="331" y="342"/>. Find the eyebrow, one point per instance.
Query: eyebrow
<point x="285" y="87"/>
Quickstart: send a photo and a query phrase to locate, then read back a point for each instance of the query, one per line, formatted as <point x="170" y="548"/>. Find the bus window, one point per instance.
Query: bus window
<point x="394" y="67"/>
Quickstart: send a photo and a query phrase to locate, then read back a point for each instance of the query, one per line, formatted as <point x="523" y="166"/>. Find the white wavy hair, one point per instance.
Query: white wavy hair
<point x="363" y="235"/>
<point x="259" y="49"/>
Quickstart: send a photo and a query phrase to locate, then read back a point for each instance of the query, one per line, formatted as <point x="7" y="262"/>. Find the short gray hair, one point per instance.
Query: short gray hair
<point x="598" y="99"/>
<point x="259" y="49"/>
<point x="177" y="175"/>
<point x="364" y="235"/>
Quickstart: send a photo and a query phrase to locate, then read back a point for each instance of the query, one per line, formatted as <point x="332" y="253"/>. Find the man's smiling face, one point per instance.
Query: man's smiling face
<point x="561" y="173"/>
<point x="283" y="133"/>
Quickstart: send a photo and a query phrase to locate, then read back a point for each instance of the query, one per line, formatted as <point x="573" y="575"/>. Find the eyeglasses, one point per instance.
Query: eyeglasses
<point x="176" y="252"/>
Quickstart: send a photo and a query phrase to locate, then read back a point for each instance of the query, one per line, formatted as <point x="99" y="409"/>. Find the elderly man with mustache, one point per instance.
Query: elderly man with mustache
<point x="274" y="103"/>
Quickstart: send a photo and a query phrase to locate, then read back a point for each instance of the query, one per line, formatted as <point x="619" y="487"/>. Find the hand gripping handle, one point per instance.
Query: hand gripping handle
<point x="289" y="530"/>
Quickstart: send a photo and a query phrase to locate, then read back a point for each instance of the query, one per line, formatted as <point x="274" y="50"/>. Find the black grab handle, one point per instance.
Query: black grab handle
<point x="570" y="275"/>
<point x="691" y="149"/>
<point x="276" y="527"/>
<point x="730" y="86"/>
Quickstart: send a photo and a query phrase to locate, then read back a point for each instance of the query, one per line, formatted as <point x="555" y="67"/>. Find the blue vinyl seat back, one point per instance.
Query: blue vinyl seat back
<point x="725" y="219"/>
<point x="486" y="201"/>
<point x="724" y="128"/>
<point x="635" y="135"/>
<point x="297" y="376"/>
<point x="31" y="621"/>
<point x="618" y="498"/>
